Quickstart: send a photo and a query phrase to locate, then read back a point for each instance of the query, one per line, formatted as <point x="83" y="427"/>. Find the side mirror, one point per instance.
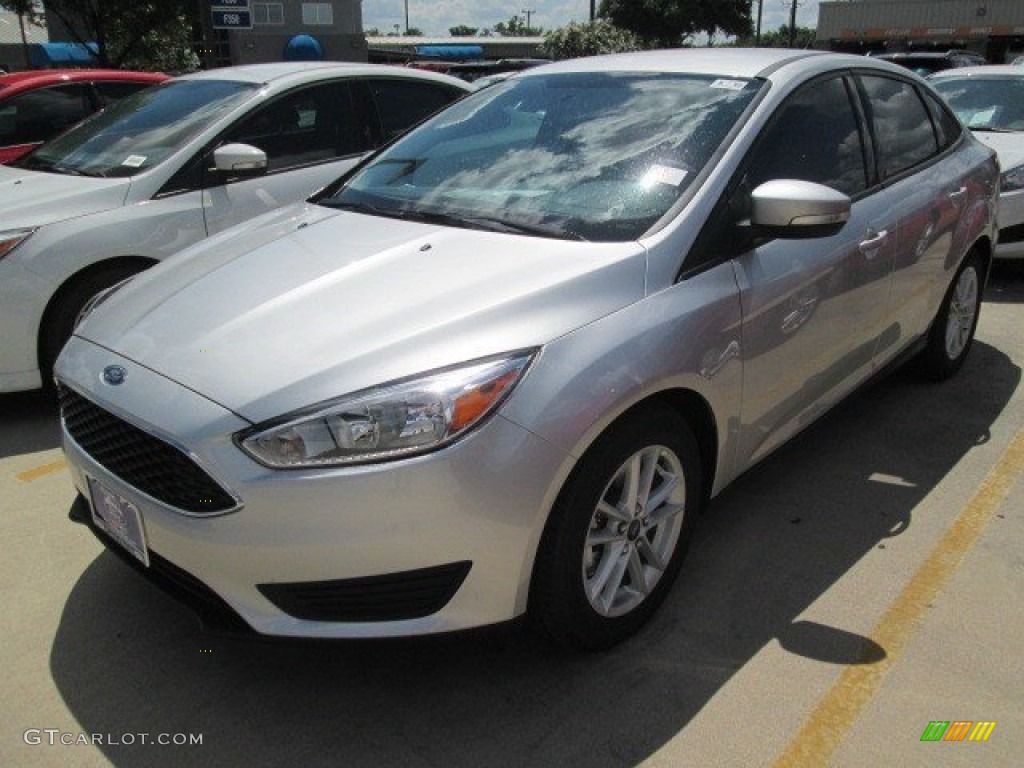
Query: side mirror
<point x="790" y="208"/>
<point x="240" y="160"/>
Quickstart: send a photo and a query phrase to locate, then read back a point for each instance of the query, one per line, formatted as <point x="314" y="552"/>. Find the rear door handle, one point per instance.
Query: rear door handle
<point x="957" y="197"/>
<point x="875" y="241"/>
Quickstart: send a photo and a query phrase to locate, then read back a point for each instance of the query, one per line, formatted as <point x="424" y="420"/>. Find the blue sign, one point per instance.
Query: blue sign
<point x="232" y="19"/>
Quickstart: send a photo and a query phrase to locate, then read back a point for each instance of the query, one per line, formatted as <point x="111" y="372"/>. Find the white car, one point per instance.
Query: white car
<point x="167" y="167"/>
<point x="990" y="101"/>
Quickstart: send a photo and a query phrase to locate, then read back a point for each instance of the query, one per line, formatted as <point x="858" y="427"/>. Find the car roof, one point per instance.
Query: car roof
<point x="17" y="82"/>
<point x="730" y="62"/>
<point x="990" y="70"/>
<point x="287" y="73"/>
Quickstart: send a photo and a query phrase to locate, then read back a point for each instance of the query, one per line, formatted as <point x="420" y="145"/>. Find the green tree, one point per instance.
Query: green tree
<point x="516" y="27"/>
<point x="372" y="32"/>
<point x="414" y="32"/>
<point x="124" y="30"/>
<point x="805" y="38"/>
<point x="667" y="23"/>
<point x="27" y="13"/>
<point x="590" y="38"/>
<point x="463" y="30"/>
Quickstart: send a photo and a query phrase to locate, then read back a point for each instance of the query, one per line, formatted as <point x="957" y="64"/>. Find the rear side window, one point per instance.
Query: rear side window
<point x="902" y="125"/>
<point x="41" y="114"/>
<point x="401" y="103"/>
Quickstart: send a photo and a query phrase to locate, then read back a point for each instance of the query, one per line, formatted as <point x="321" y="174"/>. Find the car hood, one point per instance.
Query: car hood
<point x="33" y="198"/>
<point x="1008" y="146"/>
<point x="307" y="304"/>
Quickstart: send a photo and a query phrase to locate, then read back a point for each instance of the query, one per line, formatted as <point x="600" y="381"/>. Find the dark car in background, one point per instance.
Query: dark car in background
<point x="36" y="106"/>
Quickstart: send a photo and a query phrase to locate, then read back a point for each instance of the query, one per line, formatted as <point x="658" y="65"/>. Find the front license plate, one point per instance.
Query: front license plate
<point x="120" y="519"/>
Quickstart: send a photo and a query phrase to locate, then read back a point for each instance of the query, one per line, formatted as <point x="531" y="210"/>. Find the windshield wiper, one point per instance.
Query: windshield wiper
<point x="462" y="221"/>
<point x="991" y="129"/>
<point x="33" y="163"/>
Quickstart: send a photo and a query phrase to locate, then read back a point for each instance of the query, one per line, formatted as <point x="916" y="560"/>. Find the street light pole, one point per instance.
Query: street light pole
<point x="407" y="17"/>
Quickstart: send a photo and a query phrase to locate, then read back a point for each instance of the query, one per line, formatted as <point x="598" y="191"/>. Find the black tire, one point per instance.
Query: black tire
<point x="568" y="604"/>
<point x="952" y="333"/>
<point x="59" y="321"/>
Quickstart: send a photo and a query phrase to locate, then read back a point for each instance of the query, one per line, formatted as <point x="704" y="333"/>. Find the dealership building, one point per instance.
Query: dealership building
<point x="993" y="28"/>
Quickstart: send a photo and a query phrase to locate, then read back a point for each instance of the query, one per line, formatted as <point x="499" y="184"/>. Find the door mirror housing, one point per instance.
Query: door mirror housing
<point x="791" y="208"/>
<point x="240" y="160"/>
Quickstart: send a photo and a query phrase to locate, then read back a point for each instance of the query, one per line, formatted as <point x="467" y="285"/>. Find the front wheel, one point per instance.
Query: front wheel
<point x="618" y="533"/>
<point x="953" y="330"/>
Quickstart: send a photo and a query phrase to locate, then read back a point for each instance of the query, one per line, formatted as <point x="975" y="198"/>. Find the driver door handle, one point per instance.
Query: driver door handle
<point x="875" y="241"/>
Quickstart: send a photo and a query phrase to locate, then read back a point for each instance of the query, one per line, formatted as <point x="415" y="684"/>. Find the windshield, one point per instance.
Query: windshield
<point x="140" y="131"/>
<point x="985" y="104"/>
<point x="587" y="156"/>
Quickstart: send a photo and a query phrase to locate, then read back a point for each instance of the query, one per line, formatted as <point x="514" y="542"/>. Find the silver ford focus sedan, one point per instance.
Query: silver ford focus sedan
<point x="499" y="367"/>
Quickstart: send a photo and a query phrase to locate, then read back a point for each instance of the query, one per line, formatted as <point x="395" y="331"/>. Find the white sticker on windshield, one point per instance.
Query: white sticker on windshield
<point x="134" y="161"/>
<point x="663" y="174"/>
<point x="729" y="85"/>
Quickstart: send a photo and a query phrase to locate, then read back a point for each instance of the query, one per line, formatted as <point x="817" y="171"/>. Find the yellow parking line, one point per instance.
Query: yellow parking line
<point x="29" y="475"/>
<point x="835" y="714"/>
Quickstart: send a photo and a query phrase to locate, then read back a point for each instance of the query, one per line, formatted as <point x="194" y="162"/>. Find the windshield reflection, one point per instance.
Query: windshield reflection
<point x="596" y="156"/>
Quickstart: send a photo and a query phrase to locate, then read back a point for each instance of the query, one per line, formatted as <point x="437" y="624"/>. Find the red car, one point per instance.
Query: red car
<point x="35" y="106"/>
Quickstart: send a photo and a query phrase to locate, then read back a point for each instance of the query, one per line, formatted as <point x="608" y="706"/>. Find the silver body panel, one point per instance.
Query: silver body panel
<point x="308" y="304"/>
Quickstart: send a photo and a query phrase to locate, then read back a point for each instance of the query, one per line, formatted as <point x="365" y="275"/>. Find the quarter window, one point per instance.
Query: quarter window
<point x="901" y="124"/>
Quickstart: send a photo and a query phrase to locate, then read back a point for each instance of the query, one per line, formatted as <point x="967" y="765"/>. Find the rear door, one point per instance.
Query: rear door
<point x="927" y="188"/>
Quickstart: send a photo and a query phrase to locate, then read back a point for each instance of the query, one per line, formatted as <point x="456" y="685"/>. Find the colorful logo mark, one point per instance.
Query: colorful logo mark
<point x="958" y="730"/>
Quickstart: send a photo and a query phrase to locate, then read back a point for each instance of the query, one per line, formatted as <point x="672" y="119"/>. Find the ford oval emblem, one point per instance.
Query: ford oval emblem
<point x="114" y="375"/>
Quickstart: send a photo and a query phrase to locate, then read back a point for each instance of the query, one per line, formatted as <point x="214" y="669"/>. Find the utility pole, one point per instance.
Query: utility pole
<point x="529" y="12"/>
<point x="407" y="17"/>
<point x="757" y="34"/>
<point x="792" y="22"/>
<point x="593" y="9"/>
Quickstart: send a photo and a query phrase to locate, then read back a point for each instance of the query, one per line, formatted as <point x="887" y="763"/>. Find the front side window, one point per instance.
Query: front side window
<point x="813" y="137"/>
<point x="139" y="131"/>
<point x="403" y="103"/>
<point x="901" y="123"/>
<point x="312" y="125"/>
<point x="595" y="156"/>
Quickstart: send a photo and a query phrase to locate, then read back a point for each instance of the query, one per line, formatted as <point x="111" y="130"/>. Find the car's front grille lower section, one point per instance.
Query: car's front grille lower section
<point x="390" y="597"/>
<point x="143" y="461"/>
<point x="1012" y="234"/>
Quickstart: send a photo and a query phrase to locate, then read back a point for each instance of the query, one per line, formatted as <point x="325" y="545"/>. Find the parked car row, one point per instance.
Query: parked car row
<point x="168" y="166"/>
<point x="498" y="367"/>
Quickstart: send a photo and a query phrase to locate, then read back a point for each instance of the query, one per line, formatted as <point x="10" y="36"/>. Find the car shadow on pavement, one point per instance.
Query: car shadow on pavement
<point x="128" y="660"/>
<point x="30" y="423"/>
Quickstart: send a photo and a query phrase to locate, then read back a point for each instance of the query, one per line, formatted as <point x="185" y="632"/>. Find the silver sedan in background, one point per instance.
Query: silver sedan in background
<point x="499" y="368"/>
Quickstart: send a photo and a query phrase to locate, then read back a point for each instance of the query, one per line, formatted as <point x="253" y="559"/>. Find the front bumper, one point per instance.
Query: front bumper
<point x="360" y="533"/>
<point x="23" y="297"/>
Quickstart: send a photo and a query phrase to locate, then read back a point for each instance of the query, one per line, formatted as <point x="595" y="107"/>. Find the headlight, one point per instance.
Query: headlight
<point x="12" y="238"/>
<point x="389" y="422"/>
<point x="1012" y="179"/>
<point x="98" y="299"/>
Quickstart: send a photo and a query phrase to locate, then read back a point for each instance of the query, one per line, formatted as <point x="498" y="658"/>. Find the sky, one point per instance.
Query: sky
<point x="434" y="17"/>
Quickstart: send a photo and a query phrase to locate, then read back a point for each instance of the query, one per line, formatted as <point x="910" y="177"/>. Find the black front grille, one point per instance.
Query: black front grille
<point x="1012" y="234"/>
<point x="144" y="462"/>
<point x="391" y="597"/>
